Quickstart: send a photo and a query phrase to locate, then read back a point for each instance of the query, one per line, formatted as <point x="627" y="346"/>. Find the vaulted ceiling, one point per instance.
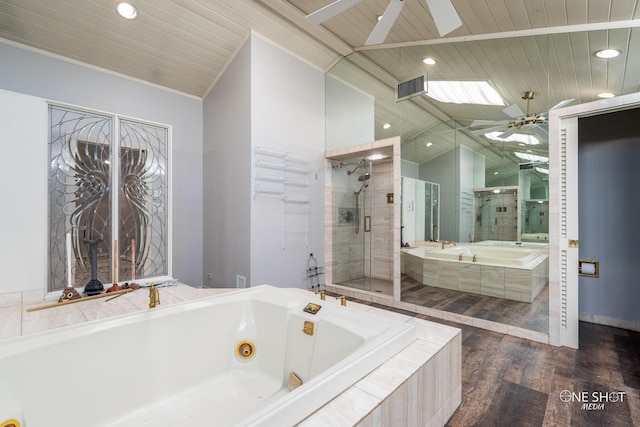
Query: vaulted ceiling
<point x="546" y="46"/>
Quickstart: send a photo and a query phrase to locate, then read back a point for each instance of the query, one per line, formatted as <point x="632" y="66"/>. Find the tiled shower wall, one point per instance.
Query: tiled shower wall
<point x="363" y="253"/>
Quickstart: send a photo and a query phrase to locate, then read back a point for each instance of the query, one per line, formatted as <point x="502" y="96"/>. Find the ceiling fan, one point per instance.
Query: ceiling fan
<point x="444" y="15"/>
<point x="520" y="121"/>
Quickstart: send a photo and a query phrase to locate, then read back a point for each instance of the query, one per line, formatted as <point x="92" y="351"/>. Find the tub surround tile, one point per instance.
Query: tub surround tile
<point x="10" y="322"/>
<point x="347" y="409"/>
<point x="387" y="378"/>
<point x="469" y="278"/>
<point x="492" y="281"/>
<point x="10" y="299"/>
<point x="35" y="296"/>
<point x="42" y="320"/>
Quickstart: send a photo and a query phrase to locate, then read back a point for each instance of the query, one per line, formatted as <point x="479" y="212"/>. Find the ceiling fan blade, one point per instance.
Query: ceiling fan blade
<point x="489" y="130"/>
<point x="508" y="133"/>
<point x="330" y="10"/>
<point x="444" y="15"/>
<point x="562" y="103"/>
<point x="513" y="111"/>
<point x="482" y="123"/>
<point x="382" y="28"/>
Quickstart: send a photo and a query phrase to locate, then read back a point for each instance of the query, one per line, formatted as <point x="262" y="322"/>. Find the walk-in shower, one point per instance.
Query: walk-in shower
<point x="353" y="231"/>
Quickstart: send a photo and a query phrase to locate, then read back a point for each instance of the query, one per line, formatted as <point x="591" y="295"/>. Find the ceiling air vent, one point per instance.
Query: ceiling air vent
<point x="410" y="88"/>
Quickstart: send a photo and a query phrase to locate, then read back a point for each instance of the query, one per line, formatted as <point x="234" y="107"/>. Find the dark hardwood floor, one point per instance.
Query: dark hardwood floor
<point x="533" y="316"/>
<point x="509" y="381"/>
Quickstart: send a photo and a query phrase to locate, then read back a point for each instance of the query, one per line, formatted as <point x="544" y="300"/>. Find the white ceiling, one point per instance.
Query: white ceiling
<point x="546" y="46"/>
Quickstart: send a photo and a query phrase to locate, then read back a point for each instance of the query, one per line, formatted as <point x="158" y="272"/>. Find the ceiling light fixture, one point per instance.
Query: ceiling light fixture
<point x="126" y="10"/>
<point x="429" y="61"/>
<point x="376" y="156"/>
<point x="607" y="53"/>
<point x="386" y="126"/>
<point x="429" y="144"/>
<point x="606" y="95"/>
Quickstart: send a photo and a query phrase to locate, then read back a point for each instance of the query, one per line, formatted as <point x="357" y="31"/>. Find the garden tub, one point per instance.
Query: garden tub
<point x="221" y="360"/>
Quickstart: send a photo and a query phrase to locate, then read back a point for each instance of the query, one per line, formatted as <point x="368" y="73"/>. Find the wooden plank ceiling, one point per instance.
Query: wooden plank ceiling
<point x="546" y="46"/>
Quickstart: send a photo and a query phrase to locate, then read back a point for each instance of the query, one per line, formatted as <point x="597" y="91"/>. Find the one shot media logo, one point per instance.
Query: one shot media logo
<point x="593" y="400"/>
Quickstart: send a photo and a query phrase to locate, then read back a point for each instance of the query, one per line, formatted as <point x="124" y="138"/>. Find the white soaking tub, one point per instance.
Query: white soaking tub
<point x="513" y="273"/>
<point x="501" y="257"/>
<point x="183" y="365"/>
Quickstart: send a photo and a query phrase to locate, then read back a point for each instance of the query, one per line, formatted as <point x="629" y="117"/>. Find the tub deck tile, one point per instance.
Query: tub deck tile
<point x="10" y="322"/>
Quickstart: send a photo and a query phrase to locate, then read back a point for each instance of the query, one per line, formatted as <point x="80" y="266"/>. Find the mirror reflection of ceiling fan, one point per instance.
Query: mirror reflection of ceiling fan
<point x="444" y="15"/>
<point x="519" y="122"/>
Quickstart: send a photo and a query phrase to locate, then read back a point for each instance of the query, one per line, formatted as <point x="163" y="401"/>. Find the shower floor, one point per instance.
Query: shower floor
<point x="370" y="284"/>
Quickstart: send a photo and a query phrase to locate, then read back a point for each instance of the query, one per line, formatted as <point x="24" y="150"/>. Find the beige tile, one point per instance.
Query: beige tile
<point x="448" y="275"/>
<point x="528" y="334"/>
<point x="373" y="419"/>
<point x="469" y="278"/>
<point x="491" y="326"/>
<point x="10" y="299"/>
<point x="387" y="378"/>
<point x="51" y="318"/>
<point x="492" y="281"/>
<point x="459" y="318"/>
<point x="401" y="408"/>
<point x="347" y="409"/>
<point x="10" y="322"/>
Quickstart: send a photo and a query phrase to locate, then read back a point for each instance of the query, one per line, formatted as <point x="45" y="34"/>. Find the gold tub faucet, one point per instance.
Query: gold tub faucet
<point x="446" y="242"/>
<point x="154" y="296"/>
<point x="342" y="299"/>
<point x="322" y="295"/>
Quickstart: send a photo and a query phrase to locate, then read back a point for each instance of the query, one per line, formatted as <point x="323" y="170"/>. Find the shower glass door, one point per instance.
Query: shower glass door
<point x="352" y="239"/>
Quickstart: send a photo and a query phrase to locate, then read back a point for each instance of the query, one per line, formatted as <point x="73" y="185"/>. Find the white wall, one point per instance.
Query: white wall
<point x="287" y="114"/>
<point x="23" y="226"/>
<point x="227" y="174"/>
<point x="29" y="72"/>
<point x="350" y="115"/>
<point x="266" y="98"/>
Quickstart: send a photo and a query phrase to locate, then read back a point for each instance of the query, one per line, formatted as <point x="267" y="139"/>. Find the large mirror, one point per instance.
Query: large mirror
<point x="490" y="162"/>
<point x="473" y="197"/>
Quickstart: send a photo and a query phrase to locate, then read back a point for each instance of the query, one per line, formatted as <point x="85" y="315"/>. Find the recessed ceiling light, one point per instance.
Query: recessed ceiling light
<point x="386" y="126"/>
<point x="429" y="61"/>
<point x="607" y="53"/>
<point x="496" y="173"/>
<point x="429" y="144"/>
<point x="606" y="95"/>
<point x="126" y="10"/>
<point x="376" y="156"/>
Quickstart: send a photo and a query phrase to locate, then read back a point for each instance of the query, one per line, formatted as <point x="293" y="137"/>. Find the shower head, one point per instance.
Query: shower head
<point x="364" y="177"/>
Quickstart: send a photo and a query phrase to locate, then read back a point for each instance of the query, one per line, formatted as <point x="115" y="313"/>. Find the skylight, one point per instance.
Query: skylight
<point x="542" y="170"/>
<point x="464" y="92"/>
<point x="516" y="137"/>
<point x="531" y="157"/>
